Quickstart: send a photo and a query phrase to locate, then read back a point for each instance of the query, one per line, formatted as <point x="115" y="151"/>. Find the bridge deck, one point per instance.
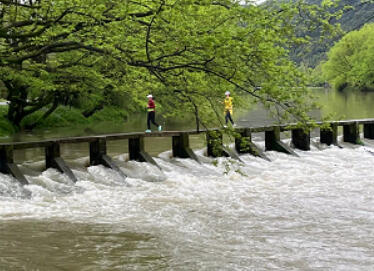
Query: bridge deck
<point x="123" y="136"/>
<point x="180" y="145"/>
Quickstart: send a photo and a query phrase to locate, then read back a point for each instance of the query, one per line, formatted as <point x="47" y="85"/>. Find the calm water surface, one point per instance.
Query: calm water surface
<point x="315" y="212"/>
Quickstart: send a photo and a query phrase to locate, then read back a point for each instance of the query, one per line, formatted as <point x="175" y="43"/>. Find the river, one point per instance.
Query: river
<point x="313" y="212"/>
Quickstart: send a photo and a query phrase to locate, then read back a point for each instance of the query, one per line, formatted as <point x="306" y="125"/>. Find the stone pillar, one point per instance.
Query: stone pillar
<point x="271" y="139"/>
<point x="301" y="139"/>
<point x="369" y="130"/>
<point x="136" y="146"/>
<point x="138" y="153"/>
<point x="215" y="144"/>
<point x="243" y="142"/>
<point x="98" y="156"/>
<point x="53" y="160"/>
<point x="329" y="136"/>
<point x="97" y="150"/>
<point x="180" y="144"/>
<point x="181" y="147"/>
<point x="6" y="156"/>
<point x="351" y="133"/>
<point x="273" y="142"/>
<point x="52" y="152"/>
<point x="7" y="165"/>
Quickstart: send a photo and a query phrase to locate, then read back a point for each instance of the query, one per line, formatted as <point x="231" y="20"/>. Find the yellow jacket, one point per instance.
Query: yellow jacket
<point x="228" y="105"/>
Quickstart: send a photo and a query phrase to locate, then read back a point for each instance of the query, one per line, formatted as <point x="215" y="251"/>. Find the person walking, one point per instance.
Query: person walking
<point x="228" y="109"/>
<point x="151" y="115"/>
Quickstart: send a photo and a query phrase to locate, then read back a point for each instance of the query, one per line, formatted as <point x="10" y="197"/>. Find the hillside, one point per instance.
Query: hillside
<point x="352" y="19"/>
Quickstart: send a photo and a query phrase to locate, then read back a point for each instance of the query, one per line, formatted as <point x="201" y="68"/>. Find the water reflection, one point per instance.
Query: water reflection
<point x="347" y="104"/>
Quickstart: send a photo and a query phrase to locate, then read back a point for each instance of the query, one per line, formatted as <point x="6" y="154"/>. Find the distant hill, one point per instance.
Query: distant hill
<point x="352" y="19"/>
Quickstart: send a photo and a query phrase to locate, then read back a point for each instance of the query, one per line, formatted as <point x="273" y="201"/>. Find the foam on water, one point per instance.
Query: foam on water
<point x="309" y="212"/>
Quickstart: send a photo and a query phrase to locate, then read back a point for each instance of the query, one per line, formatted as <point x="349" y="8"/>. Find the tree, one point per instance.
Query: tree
<point x="187" y="52"/>
<point x="351" y="60"/>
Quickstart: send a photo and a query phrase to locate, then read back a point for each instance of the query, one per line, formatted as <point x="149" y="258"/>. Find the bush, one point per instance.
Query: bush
<point x="109" y="114"/>
<point x="71" y="115"/>
<point x="6" y="128"/>
<point x="62" y="117"/>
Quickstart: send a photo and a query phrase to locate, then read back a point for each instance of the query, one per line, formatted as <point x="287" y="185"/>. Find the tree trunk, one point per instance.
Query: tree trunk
<point x="19" y="107"/>
<point x="45" y="115"/>
<point x="18" y="101"/>
<point x="197" y="118"/>
<point x="88" y="113"/>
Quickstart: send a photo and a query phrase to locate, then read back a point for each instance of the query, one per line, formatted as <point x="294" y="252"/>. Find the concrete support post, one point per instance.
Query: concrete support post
<point x="7" y="165"/>
<point x="138" y="153"/>
<point x="369" y="130"/>
<point x="301" y="139"/>
<point x="271" y="139"/>
<point x="6" y="156"/>
<point x="215" y="144"/>
<point x="52" y="152"/>
<point x="97" y="150"/>
<point x="329" y="136"/>
<point x="351" y="133"/>
<point x="273" y="142"/>
<point x="98" y="156"/>
<point x="53" y="160"/>
<point x="136" y="146"/>
<point x="181" y="147"/>
<point x="244" y="144"/>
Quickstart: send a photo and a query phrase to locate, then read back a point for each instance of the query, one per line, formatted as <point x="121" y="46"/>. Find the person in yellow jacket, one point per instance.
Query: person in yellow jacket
<point x="228" y="108"/>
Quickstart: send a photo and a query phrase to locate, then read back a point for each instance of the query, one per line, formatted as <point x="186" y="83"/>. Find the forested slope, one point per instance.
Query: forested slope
<point x="360" y="13"/>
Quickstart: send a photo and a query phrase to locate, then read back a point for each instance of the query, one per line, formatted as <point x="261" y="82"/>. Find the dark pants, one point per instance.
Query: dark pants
<point x="228" y="117"/>
<point x="151" y="118"/>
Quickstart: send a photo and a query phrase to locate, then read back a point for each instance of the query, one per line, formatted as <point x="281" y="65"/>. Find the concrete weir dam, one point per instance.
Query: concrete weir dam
<point x="262" y="202"/>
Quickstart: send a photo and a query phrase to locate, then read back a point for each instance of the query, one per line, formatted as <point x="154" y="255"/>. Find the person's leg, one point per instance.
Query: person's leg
<point x="153" y="117"/>
<point x="229" y="115"/>
<point x="149" y="120"/>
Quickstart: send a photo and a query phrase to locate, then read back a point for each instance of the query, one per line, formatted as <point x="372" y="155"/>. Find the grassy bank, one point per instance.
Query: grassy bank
<point x="62" y="117"/>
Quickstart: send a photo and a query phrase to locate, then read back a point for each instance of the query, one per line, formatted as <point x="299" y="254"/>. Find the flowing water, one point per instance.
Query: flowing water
<point x="313" y="212"/>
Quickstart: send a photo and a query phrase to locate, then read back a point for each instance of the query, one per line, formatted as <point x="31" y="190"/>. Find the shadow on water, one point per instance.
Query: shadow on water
<point x="52" y="245"/>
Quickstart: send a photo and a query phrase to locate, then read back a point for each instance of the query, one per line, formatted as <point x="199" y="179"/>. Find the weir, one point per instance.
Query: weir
<point x="181" y="145"/>
<point x="329" y="136"/>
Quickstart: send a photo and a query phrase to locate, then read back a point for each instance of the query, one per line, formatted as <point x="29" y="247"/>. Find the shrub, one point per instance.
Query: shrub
<point x="6" y="128"/>
<point x="62" y="117"/>
<point x="109" y="114"/>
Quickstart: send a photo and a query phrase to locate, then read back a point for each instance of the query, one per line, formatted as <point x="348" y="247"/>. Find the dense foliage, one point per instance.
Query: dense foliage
<point x="351" y="60"/>
<point x="351" y="15"/>
<point x="186" y="52"/>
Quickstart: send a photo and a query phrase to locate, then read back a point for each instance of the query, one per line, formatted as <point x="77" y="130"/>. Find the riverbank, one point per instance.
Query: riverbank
<point x="63" y="117"/>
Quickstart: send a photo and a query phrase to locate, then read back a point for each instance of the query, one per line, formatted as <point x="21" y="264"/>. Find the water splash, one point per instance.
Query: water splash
<point x="312" y="212"/>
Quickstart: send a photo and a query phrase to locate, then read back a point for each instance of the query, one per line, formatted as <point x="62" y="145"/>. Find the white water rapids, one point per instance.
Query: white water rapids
<point x="313" y="212"/>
